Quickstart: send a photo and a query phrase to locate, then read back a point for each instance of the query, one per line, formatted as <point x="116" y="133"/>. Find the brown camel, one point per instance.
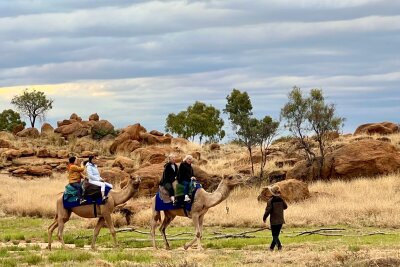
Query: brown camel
<point x="201" y="203"/>
<point x="104" y="212"/>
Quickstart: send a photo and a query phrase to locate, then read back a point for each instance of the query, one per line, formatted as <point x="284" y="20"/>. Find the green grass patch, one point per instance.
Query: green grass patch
<point x="69" y="255"/>
<point x="8" y="262"/>
<point x="33" y="259"/>
<point x="137" y="256"/>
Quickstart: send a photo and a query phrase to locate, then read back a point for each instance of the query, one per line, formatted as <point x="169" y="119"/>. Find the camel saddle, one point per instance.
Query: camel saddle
<point x="91" y="193"/>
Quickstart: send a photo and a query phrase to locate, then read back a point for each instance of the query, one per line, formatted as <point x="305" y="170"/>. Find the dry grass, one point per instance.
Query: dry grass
<point x="362" y="202"/>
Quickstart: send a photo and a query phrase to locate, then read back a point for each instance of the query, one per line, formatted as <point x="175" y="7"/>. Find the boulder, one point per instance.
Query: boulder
<point x="101" y="128"/>
<point x="11" y="154"/>
<point x="120" y="140"/>
<point x="196" y="155"/>
<point x="43" y="153"/>
<point x="62" y="154"/>
<point x="150" y="176"/>
<point x="64" y="122"/>
<point x="276" y="176"/>
<point x="29" y="132"/>
<point x="134" y="131"/>
<point x="75" y="117"/>
<point x="215" y="146"/>
<point x="18" y="128"/>
<point x="289" y="162"/>
<point x="382" y="128"/>
<point x="83" y="144"/>
<point x="114" y="175"/>
<point x="128" y="146"/>
<point x="75" y="129"/>
<point x="6" y="144"/>
<point x="44" y="170"/>
<point x="151" y="154"/>
<point x="148" y="139"/>
<point x="27" y="152"/>
<point x="365" y="158"/>
<point x="123" y="163"/>
<point x="157" y="133"/>
<point x="94" y="117"/>
<point x="46" y="129"/>
<point x="292" y="190"/>
<point x="19" y="172"/>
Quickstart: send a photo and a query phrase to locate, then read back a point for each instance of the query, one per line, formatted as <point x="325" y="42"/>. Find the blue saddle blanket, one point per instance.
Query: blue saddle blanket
<point x="187" y="206"/>
<point x="71" y="200"/>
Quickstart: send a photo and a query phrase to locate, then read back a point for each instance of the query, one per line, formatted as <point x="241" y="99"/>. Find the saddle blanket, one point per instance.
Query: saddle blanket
<point x="72" y="201"/>
<point x="187" y="206"/>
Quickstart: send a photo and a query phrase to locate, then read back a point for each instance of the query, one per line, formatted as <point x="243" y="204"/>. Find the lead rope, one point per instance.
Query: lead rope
<point x="226" y="206"/>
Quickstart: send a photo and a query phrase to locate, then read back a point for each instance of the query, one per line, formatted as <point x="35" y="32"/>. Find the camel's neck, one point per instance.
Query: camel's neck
<point x="123" y="195"/>
<point x="219" y="195"/>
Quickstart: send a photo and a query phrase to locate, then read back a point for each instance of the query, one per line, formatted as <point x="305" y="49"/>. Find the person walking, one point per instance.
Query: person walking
<point x="275" y="209"/>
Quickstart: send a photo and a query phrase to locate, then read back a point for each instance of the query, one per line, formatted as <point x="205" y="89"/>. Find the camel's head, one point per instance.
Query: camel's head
<point x="135" y="183"/>
<point x="233" y="180"/>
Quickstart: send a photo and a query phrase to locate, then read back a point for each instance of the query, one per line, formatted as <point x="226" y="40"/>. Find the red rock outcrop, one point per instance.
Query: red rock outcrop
<point x="382" y="128"/>
<point x="365" y="158"/>
<point x="46" y="129"/>
<point x="29" y="132"/>
<point x="94" y="117"/>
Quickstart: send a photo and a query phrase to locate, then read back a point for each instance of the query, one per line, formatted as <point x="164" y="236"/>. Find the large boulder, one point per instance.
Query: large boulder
<point x="46" y="129"/>
<point x="150" y="176"/>
<point x="75" y="129"/>
<point x="157" y="133"/>
<point x="123" y="163"/>
<point x="101" y="129"/>
<point x="75" y="117"/>
<point x="44" y="170"/>
<point x="18" y="128"/>
<point x="382" y="128"/>
<point x="128" y="146"/>
<point x="131" y="133"/>
<point x="366" y="158"/>
<point x="114" y="175"/>
<point x="292" y="190"/>
<point x="94" y="117"/>
<point x="151" y="154"/>
<point x="6" y="144"/>
<point x="150" y="139"/>
<point x="29" y="132"/>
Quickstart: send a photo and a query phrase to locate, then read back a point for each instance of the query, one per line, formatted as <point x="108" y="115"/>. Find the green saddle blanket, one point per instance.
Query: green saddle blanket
<point x="192" y="187"/>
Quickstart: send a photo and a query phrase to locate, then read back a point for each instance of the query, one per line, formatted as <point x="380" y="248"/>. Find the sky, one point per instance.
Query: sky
<point x="138" y="61"/>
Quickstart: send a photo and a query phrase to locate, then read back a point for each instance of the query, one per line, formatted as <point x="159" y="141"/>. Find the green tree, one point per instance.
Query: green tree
<point x="199" y="120"/>
<point x="33" y="104"/>
<point x="249" y="130"/>
<point x="9" y="119"/>
<point x="306" y="116"/>
<point x="267" y="131"/>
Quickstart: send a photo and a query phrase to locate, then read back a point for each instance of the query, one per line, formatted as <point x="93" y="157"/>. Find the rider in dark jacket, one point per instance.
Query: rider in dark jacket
<point x="185" y="175"/>
<point x="169" y="176"/>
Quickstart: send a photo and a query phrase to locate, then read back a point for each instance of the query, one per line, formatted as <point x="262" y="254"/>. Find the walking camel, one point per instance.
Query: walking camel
<point x="104" y="212"/>
<point x="201" y="203"/>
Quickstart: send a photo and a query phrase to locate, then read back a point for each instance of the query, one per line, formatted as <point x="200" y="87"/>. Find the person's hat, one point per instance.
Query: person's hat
<point x="275" y="190"/>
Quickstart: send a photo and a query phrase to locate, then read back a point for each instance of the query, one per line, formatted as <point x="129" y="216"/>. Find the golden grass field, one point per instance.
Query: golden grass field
<point x="361" y="202"/>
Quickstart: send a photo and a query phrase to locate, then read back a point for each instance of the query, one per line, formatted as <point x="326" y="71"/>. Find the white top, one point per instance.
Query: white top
<point x="92" y="172"/>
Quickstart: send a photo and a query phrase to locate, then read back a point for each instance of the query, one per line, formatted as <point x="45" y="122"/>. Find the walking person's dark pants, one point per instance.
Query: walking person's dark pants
<point x="276" y="229"/>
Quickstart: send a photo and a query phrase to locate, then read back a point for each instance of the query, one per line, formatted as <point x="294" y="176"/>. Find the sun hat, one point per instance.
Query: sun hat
<point x="275" y="190"/>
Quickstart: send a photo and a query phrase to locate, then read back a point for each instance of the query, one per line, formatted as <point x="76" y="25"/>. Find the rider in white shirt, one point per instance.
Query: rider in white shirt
<point x="95" y="178"/>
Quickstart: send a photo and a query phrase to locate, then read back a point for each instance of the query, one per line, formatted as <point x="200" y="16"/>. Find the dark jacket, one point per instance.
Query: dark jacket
<point x="185" y="172"/>
<point x="169" y="174"/>
<point x="274" y="210"/>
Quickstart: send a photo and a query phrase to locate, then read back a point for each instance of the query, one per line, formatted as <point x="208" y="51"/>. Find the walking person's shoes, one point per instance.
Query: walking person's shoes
<point x="187" y="198"/>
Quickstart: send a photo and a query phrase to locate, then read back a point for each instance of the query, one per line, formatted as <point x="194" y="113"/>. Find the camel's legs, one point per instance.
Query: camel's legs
<point x="167" y="220"/>
<point x="200" y="231"/>
<point x="110" y="224"/>
<point x="153" y="223"/>
<point x="96" y="231"/>
<point x="50" y="230"/>
<point x="196" y="225"/>
<point x="61" y="221"/>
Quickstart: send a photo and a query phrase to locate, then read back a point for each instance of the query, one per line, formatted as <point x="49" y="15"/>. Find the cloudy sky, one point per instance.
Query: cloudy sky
<point x="138" y="61"/>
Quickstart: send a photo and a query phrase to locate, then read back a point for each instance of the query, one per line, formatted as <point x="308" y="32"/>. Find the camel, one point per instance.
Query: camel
<point x="104" y="212"/>
<point x="201" y="203"/>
